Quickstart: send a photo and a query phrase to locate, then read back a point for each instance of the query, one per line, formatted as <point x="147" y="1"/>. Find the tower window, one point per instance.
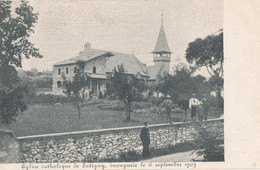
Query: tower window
<point x="58" y="71"/>
<point x="59" y="84"/>
<point x="75" y="69"/>
<point x="67" y="70"/>
<point x="94" y="69"/>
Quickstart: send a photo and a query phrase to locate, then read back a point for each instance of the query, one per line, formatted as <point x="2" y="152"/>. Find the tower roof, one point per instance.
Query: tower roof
<point x="162" y="44"/>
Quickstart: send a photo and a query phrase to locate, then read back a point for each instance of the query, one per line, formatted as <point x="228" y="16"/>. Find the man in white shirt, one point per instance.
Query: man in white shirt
<point x="193" y="103"/>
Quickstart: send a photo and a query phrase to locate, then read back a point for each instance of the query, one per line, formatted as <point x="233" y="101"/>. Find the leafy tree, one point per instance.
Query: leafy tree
<point x="76" y="87"/>
<point x="181" y="83"/>
<point x="200" y="85"/>
<point x="126" y="87"/>
<point x="208" y="52"/>
<point x="15" y="31"/>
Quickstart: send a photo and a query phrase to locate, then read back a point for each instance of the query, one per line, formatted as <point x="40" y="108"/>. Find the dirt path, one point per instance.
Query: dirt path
<point x="176" y="157"/>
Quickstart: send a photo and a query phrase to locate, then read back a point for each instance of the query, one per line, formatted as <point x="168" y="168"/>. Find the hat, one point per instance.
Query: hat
<point x="168" y="96"/>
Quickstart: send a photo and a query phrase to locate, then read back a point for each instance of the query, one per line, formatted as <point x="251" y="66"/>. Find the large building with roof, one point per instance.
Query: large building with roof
<point x="99" y="64"/>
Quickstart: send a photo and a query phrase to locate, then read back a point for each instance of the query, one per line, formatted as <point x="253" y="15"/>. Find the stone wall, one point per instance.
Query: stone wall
<point x="96" y="145"/>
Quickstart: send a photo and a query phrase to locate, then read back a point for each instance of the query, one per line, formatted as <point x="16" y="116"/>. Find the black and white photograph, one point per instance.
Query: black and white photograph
<point x="112" y="81"/>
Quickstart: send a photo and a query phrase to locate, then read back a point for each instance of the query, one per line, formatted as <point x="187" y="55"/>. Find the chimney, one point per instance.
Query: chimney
<point x="87" y="46"/>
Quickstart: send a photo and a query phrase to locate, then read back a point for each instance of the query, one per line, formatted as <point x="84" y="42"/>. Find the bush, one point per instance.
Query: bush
<point x="141" y="105"/>
<point x="155" y="100"/>
<point x="95" y="102"/>
<point x="48" y="99"/>
<point x="112" y="105"/>
<point x="210" y="144"/>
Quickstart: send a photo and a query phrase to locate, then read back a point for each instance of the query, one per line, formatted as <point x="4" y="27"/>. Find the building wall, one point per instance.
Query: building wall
<point x="96" y="145"/>
<point x="99" y="63"/>
<point x="58" y="77"/>
<point x="164" y="65"/>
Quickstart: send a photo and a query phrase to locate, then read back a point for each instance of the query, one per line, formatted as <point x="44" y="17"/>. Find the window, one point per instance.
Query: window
<point x="67" y="70"/>
<point x="59" y="84"/>
<point x="58" y="71"/>
<point x="94" y="70"/>
<point x="75" y="69"/>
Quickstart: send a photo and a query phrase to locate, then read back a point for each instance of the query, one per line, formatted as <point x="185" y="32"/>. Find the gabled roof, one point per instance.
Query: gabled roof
<point x="85" y="56"/>
<point x="131" y="64"/>
<point x="161" y="44"/>
<point x="153" y="71"/>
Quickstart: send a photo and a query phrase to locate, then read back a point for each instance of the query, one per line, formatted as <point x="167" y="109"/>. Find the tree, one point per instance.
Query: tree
<point x="181" y="83"/>
<point x="208" y="52"/>
<point x="14" y="46"/>
<point x="126" y="87"/>
<point x="200" y="85"/>
<point x="76" y="87"/>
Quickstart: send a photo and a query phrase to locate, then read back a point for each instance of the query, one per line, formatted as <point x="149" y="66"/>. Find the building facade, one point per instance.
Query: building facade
<point x="99" y="64"/>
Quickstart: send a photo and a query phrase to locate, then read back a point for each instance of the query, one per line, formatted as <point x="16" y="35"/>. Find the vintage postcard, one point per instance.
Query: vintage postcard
<point x="124" y="84"/>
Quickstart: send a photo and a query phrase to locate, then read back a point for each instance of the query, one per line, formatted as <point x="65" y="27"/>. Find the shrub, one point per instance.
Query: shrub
<point x="95" y="102"/>
<point x="155" y="100"/>
<point x="48" y="99"/>
<point x="112" y="105"/>
<point x="210" y="144"/>
<point x="141" y="105"/>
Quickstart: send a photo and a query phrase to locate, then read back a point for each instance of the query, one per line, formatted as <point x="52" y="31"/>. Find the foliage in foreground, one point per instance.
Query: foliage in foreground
<point x="15" y="31"/>
<point x="210" y="144"/>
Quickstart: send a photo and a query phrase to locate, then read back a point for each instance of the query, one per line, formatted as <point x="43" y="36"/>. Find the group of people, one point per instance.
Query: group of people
<point x="197" y="107"/>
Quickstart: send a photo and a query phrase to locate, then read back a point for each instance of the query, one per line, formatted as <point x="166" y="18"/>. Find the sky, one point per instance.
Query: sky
<point x="121" y="26"/>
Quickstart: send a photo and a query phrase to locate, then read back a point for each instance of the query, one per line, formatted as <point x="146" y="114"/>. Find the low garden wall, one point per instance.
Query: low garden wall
<point x="98" y="145"/>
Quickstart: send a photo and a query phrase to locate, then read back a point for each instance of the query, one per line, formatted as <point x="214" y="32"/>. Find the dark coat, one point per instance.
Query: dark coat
<point x="145" y="136"/>
<point x="168" y="105"/>
<point x="205" y="104"/>
<point x="184" y="104"/>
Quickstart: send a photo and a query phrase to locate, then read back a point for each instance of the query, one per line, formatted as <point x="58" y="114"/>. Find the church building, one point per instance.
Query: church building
<point x="100" y="63"/>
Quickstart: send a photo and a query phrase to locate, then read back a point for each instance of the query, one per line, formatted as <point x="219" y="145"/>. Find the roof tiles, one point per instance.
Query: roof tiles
<point x="161" y="44"/>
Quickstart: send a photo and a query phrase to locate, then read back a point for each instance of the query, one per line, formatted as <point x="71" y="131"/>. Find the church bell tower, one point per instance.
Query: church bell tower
<point x="162" y="52"/>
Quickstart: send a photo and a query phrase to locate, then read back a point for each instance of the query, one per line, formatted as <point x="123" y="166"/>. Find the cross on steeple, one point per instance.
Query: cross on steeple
<point x="162" y="17"/>
<point x="162" y="44"/>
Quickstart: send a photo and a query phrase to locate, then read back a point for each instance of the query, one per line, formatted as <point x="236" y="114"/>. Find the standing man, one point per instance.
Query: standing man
<point x="145" y="137"/>
<point x="193" y="103"/>
<point x="205" y="104"/>
<point x="184" y="105"/>
<point x="168" y="106"/>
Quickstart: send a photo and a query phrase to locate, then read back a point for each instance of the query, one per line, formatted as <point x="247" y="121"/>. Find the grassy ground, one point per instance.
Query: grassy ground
<point x="44" y="119"/>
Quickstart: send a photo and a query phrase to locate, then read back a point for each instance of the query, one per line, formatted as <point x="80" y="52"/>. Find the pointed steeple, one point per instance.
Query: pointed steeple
<point x="161" y="44"/>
